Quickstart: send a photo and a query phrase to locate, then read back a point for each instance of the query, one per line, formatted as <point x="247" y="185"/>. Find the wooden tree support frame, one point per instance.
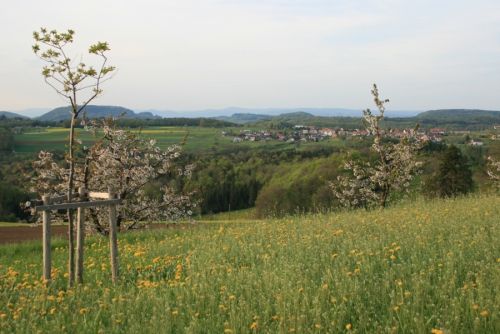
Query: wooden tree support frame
<point x="48" y="205"/>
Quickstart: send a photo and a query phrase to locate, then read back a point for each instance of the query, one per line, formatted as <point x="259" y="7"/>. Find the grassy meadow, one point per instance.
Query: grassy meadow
<point x="421" y="267"/>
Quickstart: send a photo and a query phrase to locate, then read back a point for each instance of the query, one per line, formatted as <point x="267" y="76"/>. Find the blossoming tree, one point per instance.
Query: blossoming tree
<point x="69" y="78"/>
<point x="395" y="168"/>
<point x="494" y="171"/>
<point x="124" y="160"/>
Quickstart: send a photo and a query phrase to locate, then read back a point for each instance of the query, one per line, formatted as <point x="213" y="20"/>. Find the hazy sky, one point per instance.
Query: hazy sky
<point x="187" y="55"/>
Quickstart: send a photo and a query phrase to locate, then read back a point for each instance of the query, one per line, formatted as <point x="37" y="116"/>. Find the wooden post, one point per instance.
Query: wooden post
<point x="80" y="238"/>
<point x="113" y="243"/>
<point x="46" y="241"/>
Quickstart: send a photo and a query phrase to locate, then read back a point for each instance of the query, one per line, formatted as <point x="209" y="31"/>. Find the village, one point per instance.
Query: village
<point x="311" y="133"/>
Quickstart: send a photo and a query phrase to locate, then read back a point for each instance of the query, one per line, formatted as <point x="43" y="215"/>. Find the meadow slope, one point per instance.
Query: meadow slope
<point x="418" y="267"/>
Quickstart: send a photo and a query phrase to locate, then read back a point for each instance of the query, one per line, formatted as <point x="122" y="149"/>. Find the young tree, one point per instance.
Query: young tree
<point x="453" y="177"/>
<point x="396" y="166"/>
<point x="124" y="160"/>
<point x="68" y="79"/>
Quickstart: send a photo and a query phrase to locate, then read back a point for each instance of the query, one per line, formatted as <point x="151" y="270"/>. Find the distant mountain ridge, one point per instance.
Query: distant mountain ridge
<point x="229" y="112"/>
<point x="452" y="113"/>
<point x="244" y="115"/>
<point x="92" y="111"/>
<point x="9" y="114"/>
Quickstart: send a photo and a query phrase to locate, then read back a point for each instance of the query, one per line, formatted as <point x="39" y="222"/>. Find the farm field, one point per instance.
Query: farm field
<point x="198" y="139"/>
<point x="421" y="267"/>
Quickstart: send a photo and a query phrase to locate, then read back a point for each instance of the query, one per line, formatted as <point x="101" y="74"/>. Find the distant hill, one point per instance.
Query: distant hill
<point x="458" y="113"/>
<point x="241" y="118"/>
<point x="229" y="112"/>
<point x="452" y="119"/>
<point x="92" y="111"/>
<point x="245" y="118"/>
<point x="9" y="114"/>
<point x="31" y="112"/>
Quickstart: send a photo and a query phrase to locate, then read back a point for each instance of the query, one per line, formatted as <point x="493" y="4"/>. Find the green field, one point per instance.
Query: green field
<point x="421" y="267"/>
<point x="199" y="139"/>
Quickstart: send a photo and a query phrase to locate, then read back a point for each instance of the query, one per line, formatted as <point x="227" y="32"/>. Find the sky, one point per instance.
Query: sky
<point x="213" y="54"/>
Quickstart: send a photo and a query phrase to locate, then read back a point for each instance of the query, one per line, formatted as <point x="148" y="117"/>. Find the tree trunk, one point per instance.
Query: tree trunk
<point x="71" y="270"/>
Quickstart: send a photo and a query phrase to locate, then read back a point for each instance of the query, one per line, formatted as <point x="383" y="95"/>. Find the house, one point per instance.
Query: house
<point x="326" y="132"/>
<point x="425" y="138"/>
<point x="398" y="134"/>
<point x="436" y="138"/>
<point x="237" y="140"/>
<point x="476" y="142"/>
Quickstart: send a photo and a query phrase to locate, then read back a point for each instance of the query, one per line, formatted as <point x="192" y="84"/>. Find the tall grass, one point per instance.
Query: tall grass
<point x="420" y="267"/>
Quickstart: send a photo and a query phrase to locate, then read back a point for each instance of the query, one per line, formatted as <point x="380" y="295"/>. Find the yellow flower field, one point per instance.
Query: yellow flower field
<point x="422" y="267"/>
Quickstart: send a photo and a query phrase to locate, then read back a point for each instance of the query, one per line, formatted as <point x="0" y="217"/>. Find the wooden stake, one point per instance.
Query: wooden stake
<point x="80" y="239"/>
<point x="46" y="241"/>
<point x="113" y="243"/>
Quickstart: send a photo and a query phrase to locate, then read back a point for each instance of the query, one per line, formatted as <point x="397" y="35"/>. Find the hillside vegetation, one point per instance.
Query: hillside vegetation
<point x="417" y="267"/>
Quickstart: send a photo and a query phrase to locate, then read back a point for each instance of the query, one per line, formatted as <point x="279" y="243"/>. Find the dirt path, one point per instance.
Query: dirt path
<point x="17" y="234"/>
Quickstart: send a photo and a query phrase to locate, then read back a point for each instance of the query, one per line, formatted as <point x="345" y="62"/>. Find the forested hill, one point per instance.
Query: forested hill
<point x="9" y="114"/>
<point x="92" y="111"/>
<point x="453" y="113"/>
<point x="451" y="119"/>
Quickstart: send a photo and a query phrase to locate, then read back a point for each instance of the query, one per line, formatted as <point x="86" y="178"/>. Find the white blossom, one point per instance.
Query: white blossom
<point x="123" y="160"/>
<point x="395" y="167"/>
